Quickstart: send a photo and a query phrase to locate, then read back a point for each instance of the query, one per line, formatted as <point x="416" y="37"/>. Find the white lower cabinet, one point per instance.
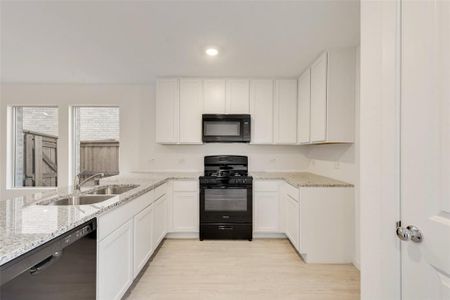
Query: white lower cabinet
<point x="128" y="236"/>
<point x="115" y="263"/>
<point x="292" y="220"/>
<point x="160" y="216"/>
<point x="266" y="206"/>
<point x="318" y="221"/>
<point x="185" y="212"/>
<point x="143" y="242"/>
<point x="185" y="209"/>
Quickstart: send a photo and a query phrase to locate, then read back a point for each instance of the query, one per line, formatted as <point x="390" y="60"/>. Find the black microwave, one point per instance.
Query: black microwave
<point x="229" y="128"/>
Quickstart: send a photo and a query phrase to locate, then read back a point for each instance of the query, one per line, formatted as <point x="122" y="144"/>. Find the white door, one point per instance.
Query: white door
<point x="319" y="99"/>
<point x="304" y="105"/>
<point x="292" y="220"/>
<point x="266" y="211"/>
<point x="238" y="96"/>
<point x="159" y="221"/>
<point x="191" y="103"/>
<point x="115" y="263"/>
<point x="143" y="247"/>
<point x="261" y="108"/>
<point x="185" y="212"/>
<point x="425" y="148"/>
<point x="167" y="105"/>
<point x="214" y="93"/>
<point x="285" y="111"/>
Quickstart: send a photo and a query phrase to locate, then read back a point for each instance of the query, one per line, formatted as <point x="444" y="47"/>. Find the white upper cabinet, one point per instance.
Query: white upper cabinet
<point x="333" y="96"/>
<point x="304" y="108"/>
<point x="214" y="96"/>
<point x="285" y="111"/>
<point x="167" y="109"/>
<point x="319" y="99"/>
<point x="261" y="110"/>
<point x="191" y="106"/>
<point x="238" y="96"/>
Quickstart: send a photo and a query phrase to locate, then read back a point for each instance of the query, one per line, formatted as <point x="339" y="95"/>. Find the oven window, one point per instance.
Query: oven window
<point x="222" y="128"/>
<point x="226" y="200"/>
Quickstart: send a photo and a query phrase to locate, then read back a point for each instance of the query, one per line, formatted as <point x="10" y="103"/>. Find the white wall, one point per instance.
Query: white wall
<point x="341" y="161"/>
<point x="127" y="97"/>
<point x="138" y="150"/>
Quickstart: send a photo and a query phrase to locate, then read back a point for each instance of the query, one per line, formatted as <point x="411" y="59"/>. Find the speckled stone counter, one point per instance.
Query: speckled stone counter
<point x="301" y="179"/>
<point x="25" y="225"/>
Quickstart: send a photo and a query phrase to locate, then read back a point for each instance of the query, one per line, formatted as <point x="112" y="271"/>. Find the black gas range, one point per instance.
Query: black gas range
<point x="226" y="193"/>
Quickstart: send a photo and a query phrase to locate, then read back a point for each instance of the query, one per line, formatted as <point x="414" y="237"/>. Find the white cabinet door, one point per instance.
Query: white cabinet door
<point x="115" y="263"/>
<point x="292" y="220"/>
<point x="143" y="247"/>
<point x="238" y="96"/>
<point x="167" y="118"/>
<point x="191" y="104"/>
<point x="304" y="107"/>
<point x="319" y="99"/>
<point x="285" y="111"/>
<point x="159" y="220"/>
<point x="266" y="211"/>
<point x="185" y="211"/>
<point x="261" y="109"/>
<point x="214" y="93"/>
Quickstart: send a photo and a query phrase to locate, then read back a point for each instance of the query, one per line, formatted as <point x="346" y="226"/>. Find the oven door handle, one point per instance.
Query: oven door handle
<point x="212" y="187"/>
<point x="225" y="227"/>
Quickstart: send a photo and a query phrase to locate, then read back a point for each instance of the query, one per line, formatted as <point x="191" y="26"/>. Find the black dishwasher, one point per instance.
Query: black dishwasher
<point x="63" y="268"/>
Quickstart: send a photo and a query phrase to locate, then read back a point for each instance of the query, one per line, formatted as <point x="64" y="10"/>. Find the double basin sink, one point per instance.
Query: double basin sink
<point x="92" y="196"/>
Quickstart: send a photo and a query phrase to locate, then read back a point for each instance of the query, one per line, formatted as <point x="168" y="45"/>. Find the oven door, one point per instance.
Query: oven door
<point x="226" y="128"/>
<point x="224" y="203"/>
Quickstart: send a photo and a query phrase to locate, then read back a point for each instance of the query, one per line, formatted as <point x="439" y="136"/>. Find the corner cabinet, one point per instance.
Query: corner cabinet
<point x="285" y="111"/>
<point x="332" y="97"/>
<point x="261" y="110"/>
<point x="304" y="108"/>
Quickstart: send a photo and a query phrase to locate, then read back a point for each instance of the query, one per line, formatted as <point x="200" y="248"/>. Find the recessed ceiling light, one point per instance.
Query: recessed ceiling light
<point x="212" y="51"/>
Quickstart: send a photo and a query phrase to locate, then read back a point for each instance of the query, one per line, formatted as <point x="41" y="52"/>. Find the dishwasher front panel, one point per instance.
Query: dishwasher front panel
<point x="63" y="269"/>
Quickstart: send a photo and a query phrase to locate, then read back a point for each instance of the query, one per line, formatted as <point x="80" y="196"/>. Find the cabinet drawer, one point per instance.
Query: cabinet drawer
<point x="266" y="186"/>
<point x="185" y="186"/>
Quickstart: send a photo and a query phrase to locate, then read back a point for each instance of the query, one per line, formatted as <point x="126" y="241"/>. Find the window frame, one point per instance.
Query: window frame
<point x="11" y="139"/>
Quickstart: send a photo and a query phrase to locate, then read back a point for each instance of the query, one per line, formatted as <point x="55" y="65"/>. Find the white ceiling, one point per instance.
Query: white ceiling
<point x="136" y="41"/>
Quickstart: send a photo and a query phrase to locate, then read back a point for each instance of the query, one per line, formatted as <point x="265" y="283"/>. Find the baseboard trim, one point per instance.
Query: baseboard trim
<point x="194" y="235"/>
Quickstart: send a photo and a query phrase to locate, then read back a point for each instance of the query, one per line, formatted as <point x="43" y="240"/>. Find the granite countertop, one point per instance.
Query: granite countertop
<point x="24" y="225"/>
<point x="301" y="179"/>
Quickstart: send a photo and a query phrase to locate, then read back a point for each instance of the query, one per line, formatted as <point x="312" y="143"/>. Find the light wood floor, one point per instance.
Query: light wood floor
<point x="261" y="269"/>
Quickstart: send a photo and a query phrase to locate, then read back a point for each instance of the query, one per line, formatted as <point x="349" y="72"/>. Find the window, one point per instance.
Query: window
<point x="96" y="143"/>
<point x="35" y="145"/>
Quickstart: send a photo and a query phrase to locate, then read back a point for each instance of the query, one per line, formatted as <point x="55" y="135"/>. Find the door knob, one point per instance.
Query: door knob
<point x="409" y="233"/>
<point x="416" y="234"/>
<point x="403" y="233"/>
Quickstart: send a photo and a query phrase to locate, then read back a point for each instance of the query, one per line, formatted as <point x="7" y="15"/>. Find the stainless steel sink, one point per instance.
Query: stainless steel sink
<point x="79" y="200"/>
<point x="112" y="190"/>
